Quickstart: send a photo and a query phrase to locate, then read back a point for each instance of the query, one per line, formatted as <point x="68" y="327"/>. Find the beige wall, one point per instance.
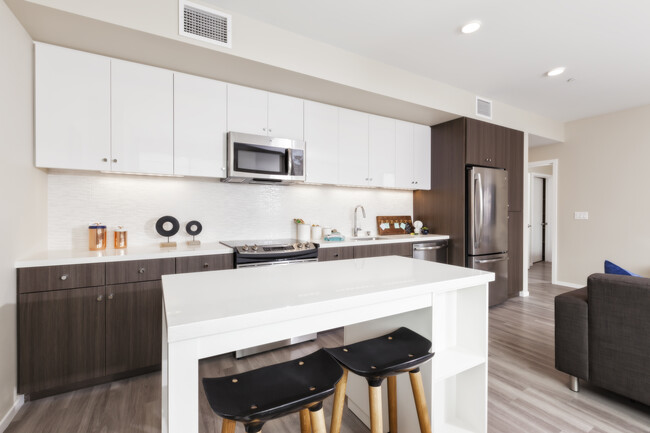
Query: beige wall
<point x="23" y="188"/>
<point x="603" y="170"/>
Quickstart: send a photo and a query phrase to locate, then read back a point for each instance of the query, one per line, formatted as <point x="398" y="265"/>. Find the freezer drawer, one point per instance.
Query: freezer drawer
<point x="497" y="263"/>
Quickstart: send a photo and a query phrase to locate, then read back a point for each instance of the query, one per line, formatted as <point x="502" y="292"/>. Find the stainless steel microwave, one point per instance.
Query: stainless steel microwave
<point x="261" y="159"/>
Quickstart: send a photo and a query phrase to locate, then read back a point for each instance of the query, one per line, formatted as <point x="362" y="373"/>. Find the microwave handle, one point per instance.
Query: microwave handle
<point x="289" y="161"/>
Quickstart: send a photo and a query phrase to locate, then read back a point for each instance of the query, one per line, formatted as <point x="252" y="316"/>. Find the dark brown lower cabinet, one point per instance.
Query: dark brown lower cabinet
<point x="61" y="338"/>
<point x="402" y="249"/>
<point x="133" y="326"/>
<point x="204" y="263"/>
<point x="515" y="253"/>
<point x="339" y="253"/>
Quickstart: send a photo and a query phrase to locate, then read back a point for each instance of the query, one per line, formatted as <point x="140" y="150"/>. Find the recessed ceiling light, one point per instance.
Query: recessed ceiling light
<point x="555" y="71"/>
<point x="471" y="27"/>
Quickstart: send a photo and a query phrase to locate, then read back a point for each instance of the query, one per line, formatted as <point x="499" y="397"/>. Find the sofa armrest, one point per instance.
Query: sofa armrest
<point x="619" y="334"/>
<point x="571" y="337"/>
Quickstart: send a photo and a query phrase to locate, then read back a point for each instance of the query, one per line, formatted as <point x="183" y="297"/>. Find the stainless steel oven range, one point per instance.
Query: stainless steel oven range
<point x="282" y="252"/>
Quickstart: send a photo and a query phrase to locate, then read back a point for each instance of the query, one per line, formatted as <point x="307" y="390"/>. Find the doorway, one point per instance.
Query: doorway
<point x="542" y="220"/>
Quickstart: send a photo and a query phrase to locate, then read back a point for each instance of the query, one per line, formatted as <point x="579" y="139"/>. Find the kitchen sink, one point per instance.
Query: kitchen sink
<point x="365" y="238"/>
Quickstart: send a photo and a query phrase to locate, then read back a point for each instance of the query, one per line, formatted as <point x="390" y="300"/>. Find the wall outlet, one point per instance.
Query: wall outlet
<point x="581" y="215"/>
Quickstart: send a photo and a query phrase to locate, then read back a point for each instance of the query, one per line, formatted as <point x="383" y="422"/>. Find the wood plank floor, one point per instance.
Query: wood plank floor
<point x="526" y="393"/>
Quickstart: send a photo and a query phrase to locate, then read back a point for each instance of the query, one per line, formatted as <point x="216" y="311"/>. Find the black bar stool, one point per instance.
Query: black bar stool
<point x="377" y="359"/>
<point x="258" y="396"/>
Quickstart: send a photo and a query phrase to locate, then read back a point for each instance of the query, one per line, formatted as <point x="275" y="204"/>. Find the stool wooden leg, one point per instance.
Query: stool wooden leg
<point x="376" y="420"/>
<point x="305" y="424"/>
<point x="228" y="426"/>
<point x="392" y="404"/>
<point x="420" y="400"/>
<point x="339" y="400"/>
<point x="318" y="420"/>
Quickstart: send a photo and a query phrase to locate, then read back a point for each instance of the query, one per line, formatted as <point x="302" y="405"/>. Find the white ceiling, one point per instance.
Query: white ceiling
<point x="604" y="44"/>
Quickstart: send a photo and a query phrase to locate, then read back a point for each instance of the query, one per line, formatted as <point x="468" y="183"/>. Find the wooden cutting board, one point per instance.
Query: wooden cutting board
<point x="391" y="229"/>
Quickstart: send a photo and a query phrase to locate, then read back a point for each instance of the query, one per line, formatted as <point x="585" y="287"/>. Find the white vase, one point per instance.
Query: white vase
<point x="303" y="232"/>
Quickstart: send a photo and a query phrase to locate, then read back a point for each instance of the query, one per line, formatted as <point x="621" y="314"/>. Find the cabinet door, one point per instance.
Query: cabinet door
<point x="133" y="326"/>
<point x="515" y="167"/>
<point x="321" y="143"/>
<point x="404" y="249"/>
<point x="404" y="162"/>
<point x="481" y="143"/>
<point x="340" y="253"/>
<point x="353" y="148"/>
<point x="142" y="119"/>
<point x="199" y="126"/>
<point x="381" y="151"/>
<point x="515" y="253"/>
<point x="285" y="117"/>
<point x="62" y="338"/>
<point x="72" y="109"/>
<point x="422" y="156"/>
<point x="215" y="262"/>
<point x="247" y="110"/>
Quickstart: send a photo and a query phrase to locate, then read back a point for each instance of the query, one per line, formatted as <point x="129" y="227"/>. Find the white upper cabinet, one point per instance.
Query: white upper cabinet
<point x="285" y="116"/>
<point x="72" y="109"/>
<point x="353" y="148"/>
<point x="422" y="156"/>
<point x="381" y="152"/>
<point x="413" y="156"/>
<point x="321" y="143"/>
<point x="404" y="176"/>
<point x="247" y="110"/>
<point x="258" y="112"/>
<point x="199" y="126"/>
<point x="142" y="118"/>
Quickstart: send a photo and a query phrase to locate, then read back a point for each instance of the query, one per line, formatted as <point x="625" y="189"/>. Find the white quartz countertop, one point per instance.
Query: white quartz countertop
<point x="76" y="257"/>
<point x="206" y="303"/>
<point x="386" y="239"/>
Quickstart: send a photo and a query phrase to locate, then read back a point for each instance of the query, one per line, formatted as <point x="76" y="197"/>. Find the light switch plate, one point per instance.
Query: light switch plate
<point x="581" y="215"/>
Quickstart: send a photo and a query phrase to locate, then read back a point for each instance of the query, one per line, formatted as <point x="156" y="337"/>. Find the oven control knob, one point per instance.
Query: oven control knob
<point x="306" y="244"/>
<point x="245" y="248"/>
<point x="254" y="247"/>
<point x="299" y="245"/>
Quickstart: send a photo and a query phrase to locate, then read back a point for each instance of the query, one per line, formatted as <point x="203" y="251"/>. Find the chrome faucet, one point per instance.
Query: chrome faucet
<point x="357" y="229"/>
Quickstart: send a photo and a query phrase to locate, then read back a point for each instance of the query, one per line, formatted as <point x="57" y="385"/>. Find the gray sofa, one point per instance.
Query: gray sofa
<point x="602" y="335"/>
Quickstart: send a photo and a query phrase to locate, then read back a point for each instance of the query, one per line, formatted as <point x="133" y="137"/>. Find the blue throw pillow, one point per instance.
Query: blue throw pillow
<point x="611" y="268"/>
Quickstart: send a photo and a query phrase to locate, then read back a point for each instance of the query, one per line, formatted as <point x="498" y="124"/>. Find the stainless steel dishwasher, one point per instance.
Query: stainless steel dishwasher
<point x="433" y="251"/>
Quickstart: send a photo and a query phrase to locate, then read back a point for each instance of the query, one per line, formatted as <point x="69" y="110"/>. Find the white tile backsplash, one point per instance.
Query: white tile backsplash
<point x="226" y="211"/>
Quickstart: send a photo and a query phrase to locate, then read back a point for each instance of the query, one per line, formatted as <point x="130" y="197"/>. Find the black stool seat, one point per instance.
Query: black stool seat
<point x="257" y="396"/>
<point x="388" y="355"/>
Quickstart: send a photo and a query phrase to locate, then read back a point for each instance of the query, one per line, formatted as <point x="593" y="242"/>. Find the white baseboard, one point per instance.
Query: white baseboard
<point x="11" y="413"/>
<point x="572" y="285"/>
<point x="524" y="293"/>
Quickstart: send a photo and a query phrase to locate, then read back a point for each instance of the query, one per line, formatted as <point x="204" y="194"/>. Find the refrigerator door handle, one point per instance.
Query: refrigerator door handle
<point x="492" y="260"/>
<point x="478" y="189"/>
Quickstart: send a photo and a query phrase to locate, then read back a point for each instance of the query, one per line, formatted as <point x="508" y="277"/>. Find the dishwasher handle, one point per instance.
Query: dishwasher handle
<point x="438" y="247"/>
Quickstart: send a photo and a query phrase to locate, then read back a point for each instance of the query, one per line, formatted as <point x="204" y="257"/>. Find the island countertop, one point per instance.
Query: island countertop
<point x="208" y="302"/>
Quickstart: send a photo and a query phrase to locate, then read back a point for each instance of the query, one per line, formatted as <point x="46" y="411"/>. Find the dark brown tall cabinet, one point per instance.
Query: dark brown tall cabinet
<point x="454" y="145"/>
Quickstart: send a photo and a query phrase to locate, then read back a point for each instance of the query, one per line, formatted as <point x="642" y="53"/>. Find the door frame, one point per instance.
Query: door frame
<point x="551" y="198"/>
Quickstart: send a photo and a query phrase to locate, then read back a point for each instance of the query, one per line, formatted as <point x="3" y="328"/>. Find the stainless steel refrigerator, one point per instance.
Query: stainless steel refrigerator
<point x="487" y="226"/>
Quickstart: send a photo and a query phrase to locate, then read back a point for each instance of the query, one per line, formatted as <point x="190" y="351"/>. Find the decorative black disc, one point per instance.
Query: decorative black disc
<point x="193" y="228"/>
<point x="167" y="219"/>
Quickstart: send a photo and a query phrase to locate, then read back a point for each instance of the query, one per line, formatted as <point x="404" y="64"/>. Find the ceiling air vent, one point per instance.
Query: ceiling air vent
<point x="483" y="108"/>
<point x="205" y="24"/>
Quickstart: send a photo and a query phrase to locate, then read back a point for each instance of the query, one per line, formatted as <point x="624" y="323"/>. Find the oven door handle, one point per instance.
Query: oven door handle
<point x="278" y="263"/>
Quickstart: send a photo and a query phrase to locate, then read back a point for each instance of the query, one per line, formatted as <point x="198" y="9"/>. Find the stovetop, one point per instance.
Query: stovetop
<point x="274" y="246"/>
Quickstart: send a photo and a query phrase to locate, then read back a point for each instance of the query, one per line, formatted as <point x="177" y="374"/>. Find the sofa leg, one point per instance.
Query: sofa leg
<point x="574" y="385"/>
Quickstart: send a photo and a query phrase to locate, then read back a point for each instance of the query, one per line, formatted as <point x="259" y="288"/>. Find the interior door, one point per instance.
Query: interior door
<point x="537" y="220"/>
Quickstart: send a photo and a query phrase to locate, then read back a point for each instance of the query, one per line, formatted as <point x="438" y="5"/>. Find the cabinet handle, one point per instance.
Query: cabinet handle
<point x="104" y="159"/>
<point x="336" y="255"/>
<point x="100" y="298"/>
<point x="141" y="271"/>
<point x="115" y="160"/>
<point x="263" y="129"/>
<point x="110" y="296"/>
<point x="205" y="265"/>
<point x="64" y="277"/>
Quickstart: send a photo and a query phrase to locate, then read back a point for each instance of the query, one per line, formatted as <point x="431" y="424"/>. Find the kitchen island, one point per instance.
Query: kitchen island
<point x="213" y="313"/>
